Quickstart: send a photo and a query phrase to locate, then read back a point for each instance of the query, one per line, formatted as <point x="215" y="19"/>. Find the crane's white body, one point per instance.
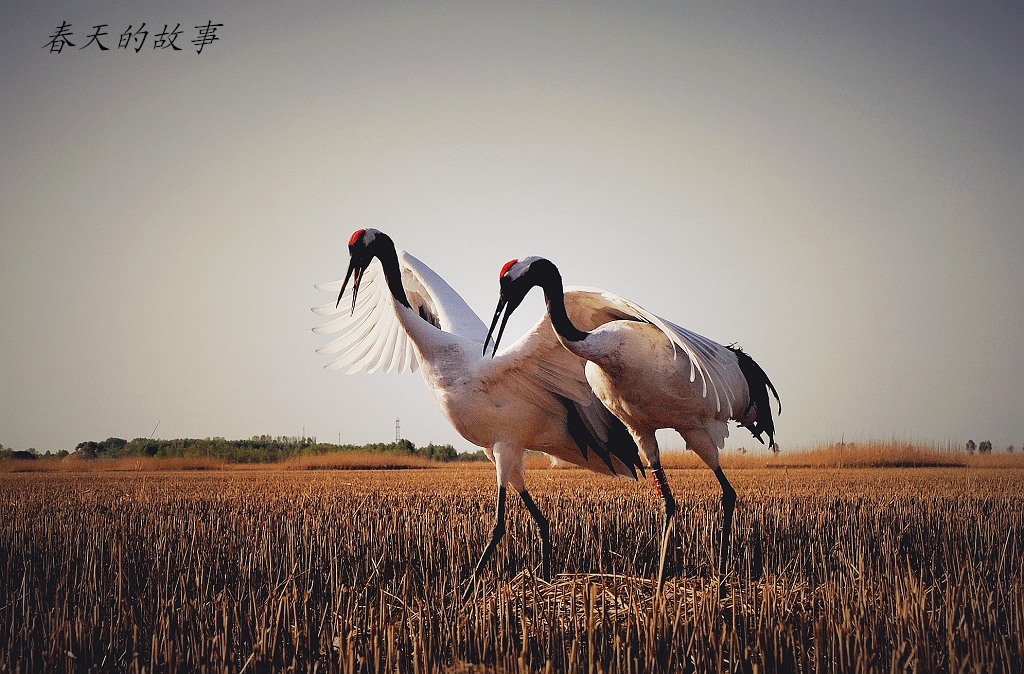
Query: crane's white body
<point x="652" y="374"/>
<point x="635" y="372"/>
<point x="506" y="404"/>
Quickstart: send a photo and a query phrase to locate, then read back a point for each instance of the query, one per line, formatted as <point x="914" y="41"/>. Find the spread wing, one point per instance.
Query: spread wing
<point x="372" y="338"/>
<point x="541" y="367"/>
<point x="591" y="307"/>
<point x="437" y="302"/>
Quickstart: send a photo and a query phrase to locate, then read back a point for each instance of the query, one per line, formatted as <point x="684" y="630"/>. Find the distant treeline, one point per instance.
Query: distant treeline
<point x="260" y="449"/>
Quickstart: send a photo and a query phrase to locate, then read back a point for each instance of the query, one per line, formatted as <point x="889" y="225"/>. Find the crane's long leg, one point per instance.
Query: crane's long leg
<point x="665" y="492"/>
<point x="703" y="446"/>
<point x="669" y="501"/>
<point x="496" y="536"/>
<point x="728" y="505"/>
<point x="542" y="524"/>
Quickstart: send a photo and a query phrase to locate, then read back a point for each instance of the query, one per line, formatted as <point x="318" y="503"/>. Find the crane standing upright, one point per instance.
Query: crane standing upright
<point x="651" y="374"/>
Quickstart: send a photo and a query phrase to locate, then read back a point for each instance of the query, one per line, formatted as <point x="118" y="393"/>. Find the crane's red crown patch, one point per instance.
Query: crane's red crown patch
<point x="356" y="235"/>
<point x="508" y="265"/>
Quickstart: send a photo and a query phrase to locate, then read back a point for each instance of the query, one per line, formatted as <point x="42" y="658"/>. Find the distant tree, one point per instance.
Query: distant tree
<point x="143" y="447"/>
<point x="438" y="452"/>
<point x="110" y="448"/>
<point x="970" y="446"/>
<point x="985" y="447"/>
<point x="87" y="448"/>
<point x="113" y="446"/>
<point x="401" y="447"/>
<point x="258" y="448"/>
<point x="1009" y="450"/>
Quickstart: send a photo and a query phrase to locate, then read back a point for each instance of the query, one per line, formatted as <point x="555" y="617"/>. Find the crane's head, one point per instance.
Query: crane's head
<point x="361" y="249"/>
<point x="516" y="279"/>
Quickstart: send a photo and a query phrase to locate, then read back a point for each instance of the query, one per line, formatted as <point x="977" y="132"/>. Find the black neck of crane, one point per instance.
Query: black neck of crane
<point x="392" y="272"/>
<point x="554" y="294"/>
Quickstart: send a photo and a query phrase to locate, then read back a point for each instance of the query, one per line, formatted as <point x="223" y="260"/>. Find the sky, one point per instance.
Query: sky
<point x="838" y="187"/>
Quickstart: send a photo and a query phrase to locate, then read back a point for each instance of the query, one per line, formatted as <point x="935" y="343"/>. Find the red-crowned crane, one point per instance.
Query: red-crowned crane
<point x="532" y="395"/>
<point x="651" y="374"/>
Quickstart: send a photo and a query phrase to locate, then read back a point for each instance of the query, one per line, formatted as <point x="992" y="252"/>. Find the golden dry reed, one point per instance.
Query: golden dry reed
<point x="833" y="570"/>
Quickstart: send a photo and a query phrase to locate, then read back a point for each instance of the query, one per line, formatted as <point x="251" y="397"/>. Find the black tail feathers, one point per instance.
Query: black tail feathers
<point x="620" y="443"/>
<point x="758" y="385"/>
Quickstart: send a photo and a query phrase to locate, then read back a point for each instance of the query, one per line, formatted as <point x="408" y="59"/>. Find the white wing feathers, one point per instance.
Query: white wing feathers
<point x="591" y="307"/>
<point x="429" y="294"/>
<point x="372" y="338"/>
<point x="540" y="360"/>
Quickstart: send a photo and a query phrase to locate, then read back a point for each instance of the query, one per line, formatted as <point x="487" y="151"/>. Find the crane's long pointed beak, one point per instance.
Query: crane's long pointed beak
<point x="356" y="278"/>
<point x="494" y="322"/>
<point x="344" y="285"/>
<point x="355" y="286"/>
<point x="501" y="330"/>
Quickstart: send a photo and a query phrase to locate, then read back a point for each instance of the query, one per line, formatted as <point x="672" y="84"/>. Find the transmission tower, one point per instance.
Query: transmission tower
<point x="398" y="429"/>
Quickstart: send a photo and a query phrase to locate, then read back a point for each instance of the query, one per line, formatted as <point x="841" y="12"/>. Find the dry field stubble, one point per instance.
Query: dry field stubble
<point x="833" y="571"/>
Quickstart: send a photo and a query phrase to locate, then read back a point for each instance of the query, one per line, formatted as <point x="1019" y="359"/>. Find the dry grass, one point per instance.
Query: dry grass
<point x="891" y="454"/>
<point x="129" y="464"/>
<point x="865" y="570"/>
<point x="358" y="461"/>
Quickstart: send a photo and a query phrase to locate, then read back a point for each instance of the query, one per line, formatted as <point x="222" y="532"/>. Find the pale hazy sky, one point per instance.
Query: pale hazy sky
<point x="837" y="186"/>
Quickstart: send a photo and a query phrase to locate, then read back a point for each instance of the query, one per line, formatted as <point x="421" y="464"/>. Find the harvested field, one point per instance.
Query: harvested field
<point x="833" y="570"/>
